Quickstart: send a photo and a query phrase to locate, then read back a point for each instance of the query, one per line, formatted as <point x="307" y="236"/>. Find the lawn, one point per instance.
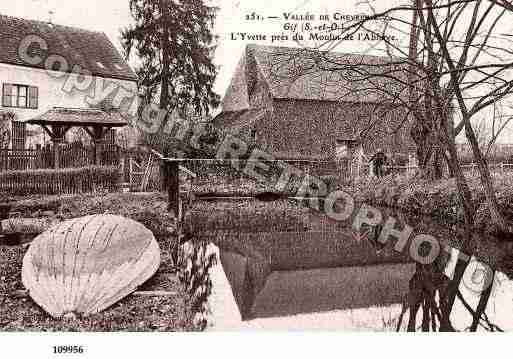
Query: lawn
<point x="134" y="313"/>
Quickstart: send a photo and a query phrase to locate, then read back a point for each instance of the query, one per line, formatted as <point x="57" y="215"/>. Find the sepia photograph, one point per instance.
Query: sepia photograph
<point x="238" y="166"/>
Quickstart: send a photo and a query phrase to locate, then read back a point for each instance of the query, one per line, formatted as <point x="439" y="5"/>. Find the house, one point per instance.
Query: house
<point x="49" y="71"/>
<point x="300" y="103"/>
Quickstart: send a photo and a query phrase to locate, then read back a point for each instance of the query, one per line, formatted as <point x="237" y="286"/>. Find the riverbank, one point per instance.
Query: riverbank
<point x="436" y="199"/>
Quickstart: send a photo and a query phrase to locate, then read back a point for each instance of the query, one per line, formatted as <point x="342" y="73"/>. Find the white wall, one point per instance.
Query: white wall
<point x="51" y="86"/>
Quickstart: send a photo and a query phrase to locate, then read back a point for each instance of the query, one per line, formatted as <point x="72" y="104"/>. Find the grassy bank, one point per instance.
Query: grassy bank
<point x="246" y="216"/>
<point x="436" y="199"/>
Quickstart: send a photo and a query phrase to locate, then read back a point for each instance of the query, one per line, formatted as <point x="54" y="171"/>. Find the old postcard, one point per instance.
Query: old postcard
<point x="241" y="166"/>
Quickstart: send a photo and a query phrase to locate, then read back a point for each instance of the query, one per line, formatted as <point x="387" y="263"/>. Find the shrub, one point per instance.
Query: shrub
<point x="220" y="177"/>
<point x="246" y="216"/>
<point x="59" y="181"/>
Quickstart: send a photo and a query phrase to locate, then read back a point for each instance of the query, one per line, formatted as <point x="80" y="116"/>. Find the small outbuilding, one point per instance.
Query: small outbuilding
<point x="58" y="120"/>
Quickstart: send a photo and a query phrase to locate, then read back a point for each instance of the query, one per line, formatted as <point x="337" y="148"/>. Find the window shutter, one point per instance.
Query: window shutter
<point x="7" y="95"/>
<point x="33" y="97"/>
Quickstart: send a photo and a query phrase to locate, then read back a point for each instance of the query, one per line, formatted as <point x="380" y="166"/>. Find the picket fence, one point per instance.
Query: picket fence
<point x="70" y="156"/>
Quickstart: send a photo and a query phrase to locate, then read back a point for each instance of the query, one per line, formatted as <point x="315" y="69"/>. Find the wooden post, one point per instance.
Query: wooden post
<point x="412" y="164"/>
<point x="97" y="151"/>
<point x="56" y="153"/>
<point x="173" y="187"/>
<point x="350" y="159"/>
<point x="359" y="163"/>
<point x="121" y="168"/>
<point x="97" y="133"/>
<point x="121" y="163"/>
<point x="58" y="135"/>
<point x="130" y="171"/>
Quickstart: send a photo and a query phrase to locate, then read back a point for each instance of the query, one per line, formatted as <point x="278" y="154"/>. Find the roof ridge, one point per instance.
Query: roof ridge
<point x="51" y="23"/>
<point x="291" y="76"/>
<point x="258" y="46"/>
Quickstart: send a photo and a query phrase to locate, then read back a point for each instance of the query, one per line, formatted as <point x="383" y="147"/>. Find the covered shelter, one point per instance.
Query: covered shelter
<point x="96" y="122"/>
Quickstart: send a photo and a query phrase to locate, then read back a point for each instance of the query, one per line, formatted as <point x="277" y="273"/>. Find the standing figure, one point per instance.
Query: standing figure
<point x="379" y="159"/>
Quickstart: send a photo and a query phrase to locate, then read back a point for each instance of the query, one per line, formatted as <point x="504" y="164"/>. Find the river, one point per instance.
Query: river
<point x="317" y="279"/>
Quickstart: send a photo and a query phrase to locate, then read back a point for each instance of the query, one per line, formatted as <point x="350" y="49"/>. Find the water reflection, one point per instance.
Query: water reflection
<point x="499" y="309"/>
<point x="327" y="277"/>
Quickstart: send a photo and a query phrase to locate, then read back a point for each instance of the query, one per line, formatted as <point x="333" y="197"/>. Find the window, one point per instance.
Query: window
<point x="19" y="96"/>
<point x="253" y="134"/>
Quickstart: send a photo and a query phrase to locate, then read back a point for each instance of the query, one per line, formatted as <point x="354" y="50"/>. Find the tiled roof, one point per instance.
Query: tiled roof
<point x="237" y="119"/>
<point x="91" y="50"/>
<point x="80" y="117"/>
<point x="306" y="74"/>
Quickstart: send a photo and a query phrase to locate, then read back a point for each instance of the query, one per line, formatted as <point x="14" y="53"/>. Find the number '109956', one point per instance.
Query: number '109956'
<point x="68" y="349"/>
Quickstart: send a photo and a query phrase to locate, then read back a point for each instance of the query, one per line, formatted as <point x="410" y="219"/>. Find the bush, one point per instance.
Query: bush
<point x="250" y="216"/>
<point x="59" y="181"/>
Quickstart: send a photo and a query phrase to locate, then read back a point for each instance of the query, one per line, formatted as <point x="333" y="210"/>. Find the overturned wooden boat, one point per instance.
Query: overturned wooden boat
<point x="84" y="265"/>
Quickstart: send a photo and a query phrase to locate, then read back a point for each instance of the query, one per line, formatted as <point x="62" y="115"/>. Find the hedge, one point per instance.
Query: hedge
<point x="59" y="181"/>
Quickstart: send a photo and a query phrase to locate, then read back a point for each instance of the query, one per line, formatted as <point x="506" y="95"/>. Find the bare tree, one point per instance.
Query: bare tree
<point x="454" y="64"/>
<point x="462" y="66"/>
<point x="489" y="129"/>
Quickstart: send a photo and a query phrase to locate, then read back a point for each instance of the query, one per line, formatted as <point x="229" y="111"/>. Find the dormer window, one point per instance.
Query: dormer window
<point x="22" y="96"/>
<point x="119" y="67"/>
<point x="100" y="65"/>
